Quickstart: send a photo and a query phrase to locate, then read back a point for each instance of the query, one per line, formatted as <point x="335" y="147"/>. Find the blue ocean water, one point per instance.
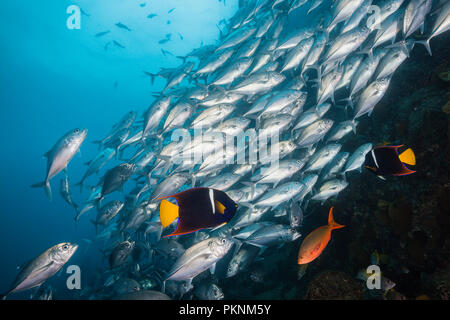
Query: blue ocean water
<point x="54" y="79"/>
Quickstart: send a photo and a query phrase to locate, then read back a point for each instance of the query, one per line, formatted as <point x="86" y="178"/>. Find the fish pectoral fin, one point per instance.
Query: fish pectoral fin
<point x="408" y="157"/>
<point x="44" y="267"/>
<point x="168" y="212"/>
<point x="219" y="226"/>
<point x="213" y="269"/>
<point x="371" y="168"/>
<point x="220" y="208"/>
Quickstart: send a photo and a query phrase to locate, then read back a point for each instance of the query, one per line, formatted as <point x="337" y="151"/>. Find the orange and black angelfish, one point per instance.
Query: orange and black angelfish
<point x="196" y="209"/>
<point x="387" y="161"/>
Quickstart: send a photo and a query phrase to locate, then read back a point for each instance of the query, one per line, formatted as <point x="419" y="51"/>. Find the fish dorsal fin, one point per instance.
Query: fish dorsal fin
<point x="331" y="223"/>
<point x="408" y="157"/>
<point x="220" y="208"/>
<point x="168" y="212"/>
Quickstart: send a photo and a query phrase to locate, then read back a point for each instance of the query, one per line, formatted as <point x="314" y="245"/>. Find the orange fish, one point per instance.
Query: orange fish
<point x="317" y="240"/>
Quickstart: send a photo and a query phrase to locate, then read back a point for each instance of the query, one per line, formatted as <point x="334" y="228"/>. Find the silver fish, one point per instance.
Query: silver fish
<point x="275" y="174"/>
<point x="441" y="25"/>
<point x="293" y="39"/>
<point x="222" y="182"/>
<point x="259" y="82"/>
<point x="357" y="158"/>
<point x="44" y="266"/>
<point x="240" y="261"/>
<point x="178" y="116"/>
<point x="297" y="54"/>
<point x="371" y="96"/>
<point x="330" y="189"/>
<point x="237" y="37"/>
<point x="233" y="71"/>
<point x="198" y="258"/>
<point x="312" y="115"/>
<point x="66" y="193"/>
<point x="341" y="130"/>
<point x="322" y="157"/>
<point x="96" y="164"/>
<point x="212" y="116"/>
<point x="335" y="167"/>
<point x="280" y="194"/>
<point x="60" y="155"/>
<point x="390" y="62"/>
<point x="208" y="291"/>
<point x="314" y="133"/>
<point x="273" y="235"/>
<point x="170" y="185"/>
<point x="154" y="114"/>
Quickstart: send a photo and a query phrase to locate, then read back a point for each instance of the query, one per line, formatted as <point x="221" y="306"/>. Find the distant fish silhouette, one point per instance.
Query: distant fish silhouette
<point x="122" y="26"/>
<point x="171" y="10"/>
<point x="165" y="52"/>
<point x="168" y="22"/>
<point x="169" y="36"/>
<point x="101" y="34"/>
<point x="107" y="45"/>
<point x="118" y="44"/>
<point x="116" y="84"/>
<point x="181" y="36"/>
<point x="163" y="41"/>
<point x="152" y="15"/>
<point x="142" y="5"/>
<point x="84" y="13"/>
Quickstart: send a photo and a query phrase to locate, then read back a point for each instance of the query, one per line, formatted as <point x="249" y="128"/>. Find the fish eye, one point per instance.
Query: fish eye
<point x="65" y="247"/>
<point x="76" y="130"/>
<point x="224" y="241"/>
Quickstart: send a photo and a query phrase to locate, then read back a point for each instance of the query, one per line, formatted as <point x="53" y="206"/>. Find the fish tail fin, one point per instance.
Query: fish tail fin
<point x="252" y="186"/>
<point x="238" y="244"/>
<point x="168" y="212"/>
<point x="182" y="58"/>
<point x="76" y="207"/>
<point x="331" y="223"/>
<point x="46" y="186"/>
<point x="80" y="184"/>
<point x="151" y="75"/>
<point x="3" y="296"/>
<point x="96" y="226"/>
<point x="354" y="124"/>
<point x="408" y="157"/>
<point x="79" y="214"/>
<point x="349" y="102"/>
<point x="426" y="43"/>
